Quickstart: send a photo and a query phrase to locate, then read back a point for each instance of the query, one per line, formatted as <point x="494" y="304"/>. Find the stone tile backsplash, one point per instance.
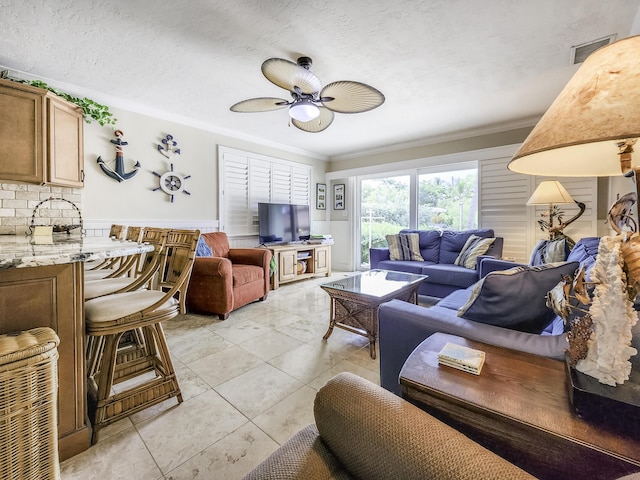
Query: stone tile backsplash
<point x="18" y="201"/>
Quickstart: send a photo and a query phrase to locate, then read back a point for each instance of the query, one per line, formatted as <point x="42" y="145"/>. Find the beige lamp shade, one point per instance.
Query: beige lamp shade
<point x="599" y="106"/>
<point x="548" y="192"/>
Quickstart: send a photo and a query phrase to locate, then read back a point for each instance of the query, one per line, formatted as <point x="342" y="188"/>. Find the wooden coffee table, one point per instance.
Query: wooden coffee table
<point x="355" y="300"/>
<point x="519" y="408"/>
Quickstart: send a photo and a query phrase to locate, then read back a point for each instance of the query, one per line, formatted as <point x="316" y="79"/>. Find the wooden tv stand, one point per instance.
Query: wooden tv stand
<point x="300" y="261"/>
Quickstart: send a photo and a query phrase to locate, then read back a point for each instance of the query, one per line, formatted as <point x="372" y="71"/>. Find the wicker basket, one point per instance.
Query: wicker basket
<point x="28" y="405"/>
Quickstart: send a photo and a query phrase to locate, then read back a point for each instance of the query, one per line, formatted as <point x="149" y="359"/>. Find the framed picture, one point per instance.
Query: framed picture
<point x="338" y="196"/>
<point x="321" y="196"/>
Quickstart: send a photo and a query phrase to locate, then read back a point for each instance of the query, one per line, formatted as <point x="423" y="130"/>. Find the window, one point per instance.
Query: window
<point x="384" y="209"/>
<point x="445" y="197"/>
<point x="448" y="200"/>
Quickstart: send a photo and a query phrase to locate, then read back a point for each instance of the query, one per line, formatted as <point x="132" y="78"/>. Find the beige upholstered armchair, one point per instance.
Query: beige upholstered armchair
<point x="228" y="279"/>
<point x="365" y="432"/>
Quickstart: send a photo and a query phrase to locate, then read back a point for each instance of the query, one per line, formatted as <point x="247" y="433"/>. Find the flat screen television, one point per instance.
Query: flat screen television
<point x="283" y="222"/>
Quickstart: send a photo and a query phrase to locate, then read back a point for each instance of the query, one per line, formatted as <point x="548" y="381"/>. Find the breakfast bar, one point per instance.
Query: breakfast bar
<point x="41" y="285"/>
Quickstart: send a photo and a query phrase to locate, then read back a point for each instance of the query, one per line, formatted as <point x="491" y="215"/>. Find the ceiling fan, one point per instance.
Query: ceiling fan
<point x="312" y="106"/>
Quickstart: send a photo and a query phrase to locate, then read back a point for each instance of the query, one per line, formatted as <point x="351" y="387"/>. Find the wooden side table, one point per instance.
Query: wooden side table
<point x="519" y="408"/>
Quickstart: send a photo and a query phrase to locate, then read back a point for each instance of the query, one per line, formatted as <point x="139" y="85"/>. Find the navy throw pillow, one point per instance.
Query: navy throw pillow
<point x="516" y="298"/>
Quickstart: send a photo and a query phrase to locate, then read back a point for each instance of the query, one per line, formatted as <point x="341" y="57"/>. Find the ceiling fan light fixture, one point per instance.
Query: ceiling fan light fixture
<point x="312" y="107"/>
<point x="304" y="111"/>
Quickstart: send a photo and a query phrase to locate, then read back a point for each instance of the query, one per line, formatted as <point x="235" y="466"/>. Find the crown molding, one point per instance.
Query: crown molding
<point x="448" y="137"/>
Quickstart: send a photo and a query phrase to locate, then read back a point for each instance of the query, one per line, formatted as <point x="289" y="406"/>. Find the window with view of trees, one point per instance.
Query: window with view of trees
<point x="448" y="200"/>
<point x="424" y="200"/>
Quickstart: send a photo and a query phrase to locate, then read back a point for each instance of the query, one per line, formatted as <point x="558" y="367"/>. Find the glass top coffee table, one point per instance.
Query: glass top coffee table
<point x="355" y="300"/>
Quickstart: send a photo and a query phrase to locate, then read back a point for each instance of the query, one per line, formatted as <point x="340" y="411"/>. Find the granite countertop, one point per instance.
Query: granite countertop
<point x="20" y="252"/>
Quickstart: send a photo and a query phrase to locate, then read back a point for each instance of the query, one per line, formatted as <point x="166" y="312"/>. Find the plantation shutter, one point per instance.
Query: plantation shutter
<point x="259" y="189"/>
<point x="502" y="207"/>
<point x="245" y="179"/>
<point x="281" y="183"/>
<point x="237" y="217"/>
<point x="300" y="186"/>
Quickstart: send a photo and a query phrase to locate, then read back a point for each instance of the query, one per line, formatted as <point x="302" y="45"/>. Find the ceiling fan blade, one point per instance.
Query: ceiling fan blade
<point x="263" y="104"/>
<point x="289" y="75"/>
<point x="317" y="124"/>
<point x="351" y="97"/>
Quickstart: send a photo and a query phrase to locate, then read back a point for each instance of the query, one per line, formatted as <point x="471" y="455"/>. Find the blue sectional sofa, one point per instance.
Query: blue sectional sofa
<point x="439" y="249"/>
<point x="403" y="326"/>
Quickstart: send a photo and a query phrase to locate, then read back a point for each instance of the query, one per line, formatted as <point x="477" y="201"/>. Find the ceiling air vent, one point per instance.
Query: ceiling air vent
<point x="579" y="53"/>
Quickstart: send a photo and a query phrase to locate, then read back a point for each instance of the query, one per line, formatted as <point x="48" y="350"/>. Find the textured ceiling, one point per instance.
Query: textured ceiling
<point x="445" y="66"/>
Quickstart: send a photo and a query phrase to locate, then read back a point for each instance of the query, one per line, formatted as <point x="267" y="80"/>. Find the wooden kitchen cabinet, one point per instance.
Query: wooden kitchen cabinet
<point x="52" y="296"/>
<point x="41" y="137"/>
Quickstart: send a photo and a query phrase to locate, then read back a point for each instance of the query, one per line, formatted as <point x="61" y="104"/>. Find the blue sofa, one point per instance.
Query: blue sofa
<point x="439" y="249"/>
<point x="403" y="326"/>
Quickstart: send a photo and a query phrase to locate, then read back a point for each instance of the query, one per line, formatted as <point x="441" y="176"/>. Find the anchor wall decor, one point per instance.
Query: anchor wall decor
<point x="169" y="147"/>
<point x="118" y="173"/>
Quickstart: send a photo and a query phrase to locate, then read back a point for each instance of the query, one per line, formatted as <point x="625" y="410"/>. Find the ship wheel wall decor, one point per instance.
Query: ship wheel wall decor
<point x="170" y="182"/>
<point x="312" y="106"/>
<point x="118" y="172"/>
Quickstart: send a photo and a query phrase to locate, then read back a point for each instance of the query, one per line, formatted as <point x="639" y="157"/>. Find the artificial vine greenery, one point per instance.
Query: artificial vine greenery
<point x="90" y="109"/>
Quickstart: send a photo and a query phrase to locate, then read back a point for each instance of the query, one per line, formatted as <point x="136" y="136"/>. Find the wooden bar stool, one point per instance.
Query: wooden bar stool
<point x="141" y="312"/>
<point x="116" y="232"/>
<point x="142" y="267"/>
<point x="119" y="266"/>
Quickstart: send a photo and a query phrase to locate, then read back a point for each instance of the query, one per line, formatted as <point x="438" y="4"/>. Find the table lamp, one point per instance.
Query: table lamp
<point x="590" y="130"/>
<point x="551" y="192"/>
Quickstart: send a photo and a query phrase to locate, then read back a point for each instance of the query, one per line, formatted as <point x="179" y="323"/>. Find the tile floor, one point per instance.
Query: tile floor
<point x="248" y="384"/>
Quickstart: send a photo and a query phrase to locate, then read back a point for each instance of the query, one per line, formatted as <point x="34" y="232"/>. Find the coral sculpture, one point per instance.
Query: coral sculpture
<point x="578" y="338"/>
<point x="609" y="347"/>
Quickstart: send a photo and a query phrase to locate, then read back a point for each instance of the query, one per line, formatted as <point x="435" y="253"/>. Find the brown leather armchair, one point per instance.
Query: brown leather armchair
<point x="231" y="278"/>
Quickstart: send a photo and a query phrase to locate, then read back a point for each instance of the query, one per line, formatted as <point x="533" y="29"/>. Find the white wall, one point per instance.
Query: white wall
<point x="133" y="201"/>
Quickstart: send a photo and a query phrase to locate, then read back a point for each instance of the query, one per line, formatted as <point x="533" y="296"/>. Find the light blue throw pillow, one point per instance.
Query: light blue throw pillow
<point x="203" y="249"/>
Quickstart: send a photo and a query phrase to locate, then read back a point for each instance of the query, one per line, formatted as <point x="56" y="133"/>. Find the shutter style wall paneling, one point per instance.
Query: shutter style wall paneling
<point x="247" y="179"/>
<point x="503" y="197"/>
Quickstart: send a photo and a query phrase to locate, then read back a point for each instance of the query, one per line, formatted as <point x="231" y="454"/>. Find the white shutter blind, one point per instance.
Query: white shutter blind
<point x="503" y="198"/>
<point x="503" y="195"/>
<point x="281" y="183"/>
<point x="247" y="179"/>
<point x="235" y="191"/>
<point x="259" y="189"/>
<point x="300" y="186"/>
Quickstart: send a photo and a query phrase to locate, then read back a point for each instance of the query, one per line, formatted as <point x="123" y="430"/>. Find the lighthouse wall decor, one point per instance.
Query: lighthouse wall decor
<point x="118" y="173"/>
<point x="170" y="182"/>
